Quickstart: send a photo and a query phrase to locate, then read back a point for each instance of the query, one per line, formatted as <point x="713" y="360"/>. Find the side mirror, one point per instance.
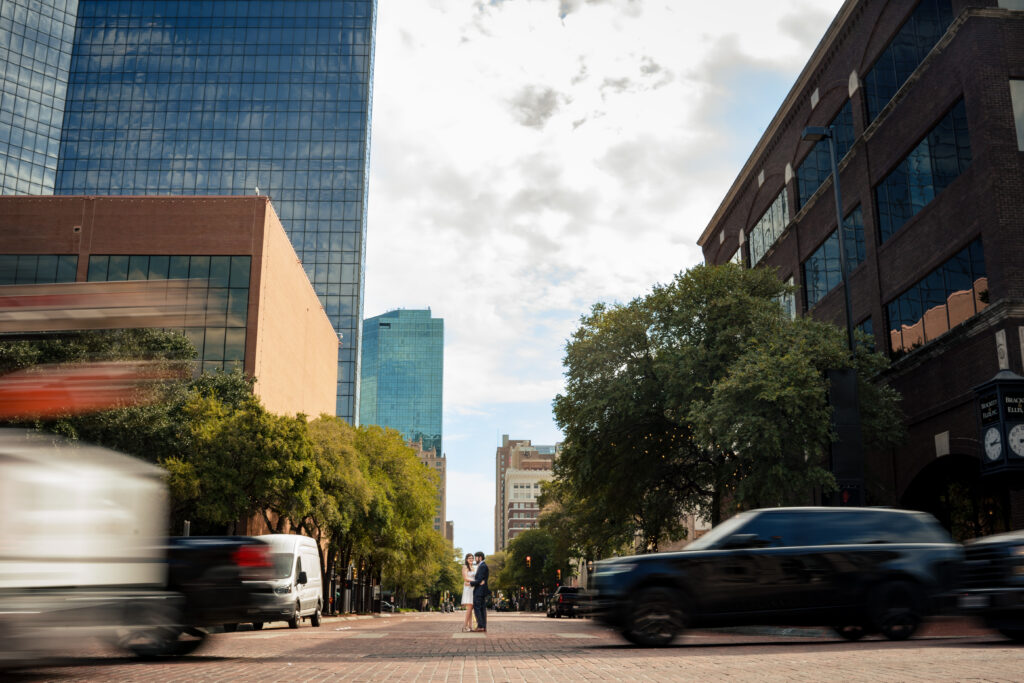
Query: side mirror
<point x="302" y="578"/>
<point x="741" y="541"/>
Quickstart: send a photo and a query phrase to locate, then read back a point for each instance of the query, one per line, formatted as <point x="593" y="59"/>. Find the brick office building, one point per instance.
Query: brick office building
<point x="256" y="308"/>
<point x="926" y="105"/>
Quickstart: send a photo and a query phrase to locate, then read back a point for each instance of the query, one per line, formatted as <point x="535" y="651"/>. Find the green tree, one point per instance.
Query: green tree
<point x="245" y="461"/>
<point x="698" y="393"/>
<point x="540" y="573"/>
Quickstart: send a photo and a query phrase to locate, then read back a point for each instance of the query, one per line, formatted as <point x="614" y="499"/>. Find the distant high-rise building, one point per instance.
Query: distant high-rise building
<point x="402" y="375"/>
<point x="437" y="463"/>
<point x="219" y="97"/>
<point x="520" y="467"/>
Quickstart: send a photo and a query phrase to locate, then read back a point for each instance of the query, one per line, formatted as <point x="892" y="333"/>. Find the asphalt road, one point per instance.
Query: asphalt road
<point x="521" y="647"/>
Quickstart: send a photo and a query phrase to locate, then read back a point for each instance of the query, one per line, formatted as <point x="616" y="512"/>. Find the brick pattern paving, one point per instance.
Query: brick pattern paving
<point x="519" y="647"/>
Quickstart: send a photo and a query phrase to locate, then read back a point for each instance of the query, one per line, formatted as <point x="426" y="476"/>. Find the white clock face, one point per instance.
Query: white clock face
<point x="1016" y="439"/>
<point x="993" y="443"/>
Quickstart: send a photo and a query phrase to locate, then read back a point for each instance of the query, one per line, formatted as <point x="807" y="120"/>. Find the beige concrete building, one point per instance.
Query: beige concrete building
<point x="520" y="467"/>
<point x="250" y="302"/>
<point x="438" y="463"/>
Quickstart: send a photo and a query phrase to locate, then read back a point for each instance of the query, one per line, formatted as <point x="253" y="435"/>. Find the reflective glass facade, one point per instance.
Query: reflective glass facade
<point x="221" y="97"/>
<point x="218" y="298"/>
<point x="402" y="375"/>
<point x="37" y="269"/>
<point x="35" y="55"/>
<point x="930" y="167"/>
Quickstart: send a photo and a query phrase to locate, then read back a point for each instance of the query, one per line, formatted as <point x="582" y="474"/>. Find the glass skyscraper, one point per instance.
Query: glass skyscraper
<point x="402" y="375"/>
<point x="36" y="38"/>
<point x="214" y="97"/>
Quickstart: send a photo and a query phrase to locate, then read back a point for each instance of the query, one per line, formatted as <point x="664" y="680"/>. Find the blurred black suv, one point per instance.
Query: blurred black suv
<point x="857" y="570"/>
<point x="564" y="602"/>
<point x="992" y="582"/>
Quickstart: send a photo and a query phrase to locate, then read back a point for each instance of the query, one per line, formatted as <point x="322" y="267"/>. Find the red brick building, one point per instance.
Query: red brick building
<point x="254" y="306"/>
<point x="926" y="105"/>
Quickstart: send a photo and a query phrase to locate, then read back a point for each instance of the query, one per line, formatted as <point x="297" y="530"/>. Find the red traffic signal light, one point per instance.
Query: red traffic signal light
<point x="527" y="560"/>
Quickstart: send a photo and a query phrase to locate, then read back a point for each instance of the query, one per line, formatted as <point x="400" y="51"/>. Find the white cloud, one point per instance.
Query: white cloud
<point x="532" y="157"/>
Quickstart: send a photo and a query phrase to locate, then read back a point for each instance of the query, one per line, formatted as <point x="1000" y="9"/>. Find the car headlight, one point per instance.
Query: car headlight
<point x="616" y="568"/>
<point x="283" y="590"/>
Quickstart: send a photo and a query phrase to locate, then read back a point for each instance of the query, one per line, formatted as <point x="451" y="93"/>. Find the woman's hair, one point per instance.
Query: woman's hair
<point x="469" y="558"/>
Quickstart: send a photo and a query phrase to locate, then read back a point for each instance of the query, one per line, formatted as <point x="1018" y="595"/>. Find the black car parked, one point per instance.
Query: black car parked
<point x="564" y="602"/>
<point x="992" y="582"/>
<point x="857" y="570"/>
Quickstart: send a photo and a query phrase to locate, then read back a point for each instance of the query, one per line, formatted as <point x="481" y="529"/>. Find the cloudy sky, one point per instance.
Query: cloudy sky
<point x="533" y="157"/>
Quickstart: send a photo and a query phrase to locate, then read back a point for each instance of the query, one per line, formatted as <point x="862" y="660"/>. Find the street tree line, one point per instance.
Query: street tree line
<point x="701" y="397"/>
<point x="362" y="491"/>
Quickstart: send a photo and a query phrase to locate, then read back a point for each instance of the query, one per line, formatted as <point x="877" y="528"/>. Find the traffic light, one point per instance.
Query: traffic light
<point x="558" y="572"/>
<point x="527" y="561"/>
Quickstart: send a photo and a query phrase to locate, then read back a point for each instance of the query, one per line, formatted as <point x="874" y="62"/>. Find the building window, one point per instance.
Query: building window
<point x="1017" y="100"/>
<point x="821" y="272"/>
<point x="943" y="299"/>
<point x="37" y="269"/>
<point x="868" y="328"/>
<point x="905" y="52"/>
<point x="737" y="256"/>
<point x="218" y="298"/>
<point x="930" y="167"/>
<point x="817" y="166"/>
<point x="788" y="301"/>
<point x="769" y="228"/>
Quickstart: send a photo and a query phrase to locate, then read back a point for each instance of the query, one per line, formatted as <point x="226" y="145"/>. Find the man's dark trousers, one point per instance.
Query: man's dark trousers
<point x="480" y="591"/>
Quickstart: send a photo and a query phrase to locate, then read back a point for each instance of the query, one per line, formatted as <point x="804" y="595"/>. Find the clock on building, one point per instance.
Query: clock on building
<point x="1015" y="437"/>
<point x="993" y="443"/>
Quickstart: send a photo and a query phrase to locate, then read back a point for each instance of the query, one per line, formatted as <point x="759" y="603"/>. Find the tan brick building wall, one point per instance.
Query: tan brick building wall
<point x="290" y="346"/>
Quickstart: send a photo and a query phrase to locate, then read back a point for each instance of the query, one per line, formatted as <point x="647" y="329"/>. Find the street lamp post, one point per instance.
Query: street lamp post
<point x="847" y="454"/>
<point x="816" y="134"/>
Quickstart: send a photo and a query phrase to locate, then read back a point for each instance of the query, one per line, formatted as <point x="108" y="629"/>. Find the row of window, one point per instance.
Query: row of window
<point x="37" y="269"/>
<point x="246" y="10"/>
<point x="905" y="52"/>
<point x="817" y="165"/>
<point x="769" y="228"/>
<point x="944" y="298"/>
<point x="822" y="271"/>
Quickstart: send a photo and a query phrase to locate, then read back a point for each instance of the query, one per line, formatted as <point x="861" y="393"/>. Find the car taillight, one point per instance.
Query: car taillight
<point x="560" y="598"/>
<point x="252" y="557"/>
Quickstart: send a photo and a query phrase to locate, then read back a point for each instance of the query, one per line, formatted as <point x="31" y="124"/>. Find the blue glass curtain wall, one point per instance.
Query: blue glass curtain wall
<point x="221" y="97"/>
<point x="943" y="299"/>
<point x="930" y="167"/>
<point x="36" y="39"/>
<point x="908" y="48"/>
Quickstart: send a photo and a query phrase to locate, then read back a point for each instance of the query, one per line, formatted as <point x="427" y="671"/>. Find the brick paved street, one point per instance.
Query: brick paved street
<point x="422" y="647"/>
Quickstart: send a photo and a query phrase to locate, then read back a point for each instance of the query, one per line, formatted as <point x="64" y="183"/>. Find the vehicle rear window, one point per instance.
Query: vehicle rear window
<point x="858" y="527"/>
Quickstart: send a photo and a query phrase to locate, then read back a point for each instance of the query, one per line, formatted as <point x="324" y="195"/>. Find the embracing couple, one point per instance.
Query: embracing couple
<point x="475" y="591"/>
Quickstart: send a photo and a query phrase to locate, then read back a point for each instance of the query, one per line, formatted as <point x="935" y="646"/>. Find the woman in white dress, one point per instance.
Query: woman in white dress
<point x="468" y="574"/>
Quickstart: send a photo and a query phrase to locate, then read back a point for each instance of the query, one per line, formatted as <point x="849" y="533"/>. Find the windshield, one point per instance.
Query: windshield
<point x="282" y="564"/>
<point x="720" y="532"/>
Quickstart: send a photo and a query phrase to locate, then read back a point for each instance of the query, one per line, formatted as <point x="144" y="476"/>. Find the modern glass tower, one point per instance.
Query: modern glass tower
<point x="205" y="97"/>
<point x="36" y="38"/>
<point x="402" y="375"/>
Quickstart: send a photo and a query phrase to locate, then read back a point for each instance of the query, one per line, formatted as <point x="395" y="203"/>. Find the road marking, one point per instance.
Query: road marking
<point x="469" y="635"/>
<point x="369" y="635"/>
<point x="575" y="635"/>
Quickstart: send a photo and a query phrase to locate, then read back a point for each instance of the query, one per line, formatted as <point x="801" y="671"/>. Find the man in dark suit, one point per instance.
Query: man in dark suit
<point x="480" y="593"/>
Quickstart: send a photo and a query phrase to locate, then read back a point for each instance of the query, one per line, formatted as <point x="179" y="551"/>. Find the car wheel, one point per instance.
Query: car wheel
<point x="1015" y="634"/>
<point x="898" y="610"/>
<point x="296" y="617"/>
<point x="851" y="632"/>
<point x="315" y="619"/>
<point x="257" y="626"/>
<point x="657" y="618"/>
<point x="155" y="632"/>
<point x="230" y="628"/>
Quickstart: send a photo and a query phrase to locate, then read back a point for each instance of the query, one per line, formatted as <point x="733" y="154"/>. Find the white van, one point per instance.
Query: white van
<point x="296" y="590"/>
